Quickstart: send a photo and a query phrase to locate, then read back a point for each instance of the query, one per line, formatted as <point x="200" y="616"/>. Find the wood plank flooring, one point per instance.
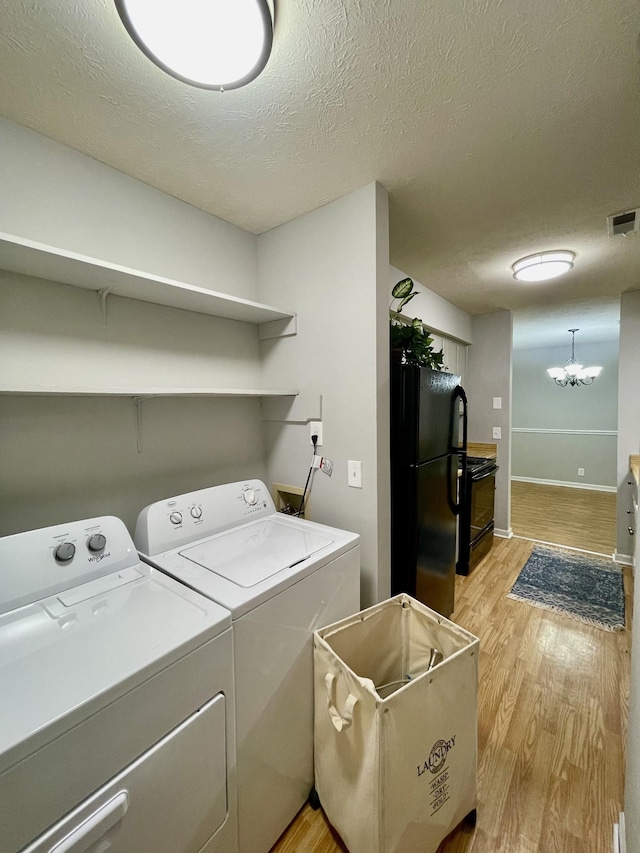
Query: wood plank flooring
<point x="579" y="518"/>
<point x="552" y="722"/>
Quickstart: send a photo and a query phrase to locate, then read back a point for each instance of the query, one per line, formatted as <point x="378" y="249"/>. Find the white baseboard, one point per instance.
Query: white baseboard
<point x="590" y="486"/>
<point x="566" y="547"/>
<point x="619" y="836"/>
<point x="623" y="559"/>
<point x="503" y="534"/>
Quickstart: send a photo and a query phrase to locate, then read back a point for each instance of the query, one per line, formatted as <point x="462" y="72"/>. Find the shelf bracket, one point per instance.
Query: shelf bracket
<point x="286" y="328"/>
<point x="103" y="293"/>
<point x="138" y="403"/>
<point x="292" y="411"/>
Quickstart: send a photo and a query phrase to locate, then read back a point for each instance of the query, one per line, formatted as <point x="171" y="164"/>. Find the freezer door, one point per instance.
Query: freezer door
<point x="436" y="535"/>
<point x="437" y="415"/>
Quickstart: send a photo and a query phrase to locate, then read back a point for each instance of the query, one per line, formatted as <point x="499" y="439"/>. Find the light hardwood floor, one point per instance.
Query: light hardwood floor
<point x="552" y="717"/>
<point x="579" y="518"/>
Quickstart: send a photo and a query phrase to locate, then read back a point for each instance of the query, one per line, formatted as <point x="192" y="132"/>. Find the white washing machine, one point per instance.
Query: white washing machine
<point x="116" y="704"/>
<point x="282" y="578"/>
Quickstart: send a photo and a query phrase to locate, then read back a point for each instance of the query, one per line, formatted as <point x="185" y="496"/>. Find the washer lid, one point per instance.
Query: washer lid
<point x="69" y="655"/>
<point x="256" y="551"/>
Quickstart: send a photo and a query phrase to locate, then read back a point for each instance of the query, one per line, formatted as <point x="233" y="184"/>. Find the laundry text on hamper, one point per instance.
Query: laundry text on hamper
<point x="437" y="756"/>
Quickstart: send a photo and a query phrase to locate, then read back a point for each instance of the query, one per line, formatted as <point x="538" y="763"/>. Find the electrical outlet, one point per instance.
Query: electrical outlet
<point x="497" y="432"/>
<point x="327" y="466"/>
<point x="580" y="472"/>
<point x="497" y="402"/>
<point x="315" y="428"/>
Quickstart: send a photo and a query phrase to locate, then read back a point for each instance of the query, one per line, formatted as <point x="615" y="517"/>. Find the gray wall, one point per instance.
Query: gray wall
<point x="331" y="266"/>
<point x="628" y="410"/>
<point x="489" y="376"/>
<point x="629" y="443"/>
<point x="564" y="429"/>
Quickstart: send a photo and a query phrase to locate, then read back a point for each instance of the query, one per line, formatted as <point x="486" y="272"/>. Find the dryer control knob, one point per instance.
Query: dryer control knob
<point x="175" y="518"/>
<point x="196" y="512"/>
<point x="250" y="497"/>
<point x="65" y="551"/>
<point x="96" y="542"/>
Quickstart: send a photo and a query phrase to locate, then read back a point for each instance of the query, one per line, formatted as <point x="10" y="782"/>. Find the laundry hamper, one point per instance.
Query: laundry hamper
<point x="395" y="726"/>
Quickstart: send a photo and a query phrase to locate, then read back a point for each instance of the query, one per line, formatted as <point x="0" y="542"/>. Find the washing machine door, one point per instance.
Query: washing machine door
<point x="250" y="554"/>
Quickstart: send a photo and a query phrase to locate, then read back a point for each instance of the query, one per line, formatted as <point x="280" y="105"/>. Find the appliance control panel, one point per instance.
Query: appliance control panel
<point x="44" y="562"/>
<point x="177" y="521"/>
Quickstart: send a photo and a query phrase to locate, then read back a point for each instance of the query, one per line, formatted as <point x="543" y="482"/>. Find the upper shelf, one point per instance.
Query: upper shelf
<point x="27" y="257"/>
<point x="144" y="392"/>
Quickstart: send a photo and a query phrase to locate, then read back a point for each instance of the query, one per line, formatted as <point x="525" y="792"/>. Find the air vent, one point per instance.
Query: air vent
<point x="623" y="223"/>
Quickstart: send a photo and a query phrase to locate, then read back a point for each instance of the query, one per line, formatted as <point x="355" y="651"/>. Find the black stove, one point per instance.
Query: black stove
<point x="476" y="514"/>
<point x="479" y="465"/>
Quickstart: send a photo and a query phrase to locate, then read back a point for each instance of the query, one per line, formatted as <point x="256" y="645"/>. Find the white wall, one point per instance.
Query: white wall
<point x="331" y="267"/>
<point x="489" y="374"/>
<point x="438" y="315"/>
<point x="64" y="458"/>
<point x="558" y="430"/>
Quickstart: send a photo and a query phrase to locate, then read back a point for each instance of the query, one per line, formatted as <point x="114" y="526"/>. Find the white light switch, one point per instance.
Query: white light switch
<point x="497" y="402"/>
<point x="497" y="432"/>
<point x="354" y="470"/>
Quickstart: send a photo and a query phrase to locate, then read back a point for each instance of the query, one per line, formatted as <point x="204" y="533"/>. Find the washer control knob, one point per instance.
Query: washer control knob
<point x="64" y="552"/>
<point x="175" y="518"/>
<point x="250" y="497"/>
<point x="196" y="512"/>
<point x="96" y="542"/>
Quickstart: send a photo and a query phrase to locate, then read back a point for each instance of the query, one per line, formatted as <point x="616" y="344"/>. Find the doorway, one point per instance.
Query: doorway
<point x="564" y="438"/>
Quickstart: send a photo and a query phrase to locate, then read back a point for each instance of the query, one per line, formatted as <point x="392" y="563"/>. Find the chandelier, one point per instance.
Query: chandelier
<point x="573" y="373"/>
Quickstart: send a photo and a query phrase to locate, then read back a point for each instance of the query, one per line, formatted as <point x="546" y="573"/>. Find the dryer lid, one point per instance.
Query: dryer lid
<point x="250" y="554"/>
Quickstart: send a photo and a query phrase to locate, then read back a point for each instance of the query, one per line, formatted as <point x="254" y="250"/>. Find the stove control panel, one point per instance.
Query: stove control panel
<point x="180" y="520"/>
<point x="41" y="563"/>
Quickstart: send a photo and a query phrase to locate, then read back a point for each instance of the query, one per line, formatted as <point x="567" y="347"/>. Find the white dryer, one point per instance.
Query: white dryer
<point x="282" y="578"/>
<point x="116" y="706"/>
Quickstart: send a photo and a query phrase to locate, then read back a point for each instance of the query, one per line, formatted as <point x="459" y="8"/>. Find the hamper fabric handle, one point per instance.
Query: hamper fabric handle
<point x="344" y="720"/>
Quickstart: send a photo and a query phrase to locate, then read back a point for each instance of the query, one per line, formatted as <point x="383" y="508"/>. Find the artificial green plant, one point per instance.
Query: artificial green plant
<point x="410" y="336"/>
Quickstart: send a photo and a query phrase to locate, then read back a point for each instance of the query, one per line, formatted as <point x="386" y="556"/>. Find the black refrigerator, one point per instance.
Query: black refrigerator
<point x="428" y="446"/>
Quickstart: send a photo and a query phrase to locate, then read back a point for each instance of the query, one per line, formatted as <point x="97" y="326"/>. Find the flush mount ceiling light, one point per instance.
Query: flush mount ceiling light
<point x="542" y="266"/>
<point x="213" y="44"/>
<point x="573" y="373"/>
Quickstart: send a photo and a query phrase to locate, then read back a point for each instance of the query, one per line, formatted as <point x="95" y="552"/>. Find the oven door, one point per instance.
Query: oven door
<point x="481" y="497"/>
<point x="480" y="546"/>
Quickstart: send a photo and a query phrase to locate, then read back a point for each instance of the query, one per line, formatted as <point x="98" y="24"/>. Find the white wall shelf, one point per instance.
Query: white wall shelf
<point x="27" y="257"/>
<point x="141" y="393"/>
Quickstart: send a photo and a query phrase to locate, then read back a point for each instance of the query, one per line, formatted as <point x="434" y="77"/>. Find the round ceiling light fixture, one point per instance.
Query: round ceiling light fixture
<point x="213" y="44"/>
<point x="542" y="266"/>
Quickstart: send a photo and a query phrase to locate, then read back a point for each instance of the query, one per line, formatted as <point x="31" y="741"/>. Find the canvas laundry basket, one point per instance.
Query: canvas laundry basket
<point x="395" y="726"/>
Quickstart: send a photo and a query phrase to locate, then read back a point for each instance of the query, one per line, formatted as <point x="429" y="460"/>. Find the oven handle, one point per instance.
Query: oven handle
<point x="489" y="473"/>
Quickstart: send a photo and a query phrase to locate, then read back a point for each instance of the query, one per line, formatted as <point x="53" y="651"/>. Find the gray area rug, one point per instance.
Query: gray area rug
<point x="586" y="588"/>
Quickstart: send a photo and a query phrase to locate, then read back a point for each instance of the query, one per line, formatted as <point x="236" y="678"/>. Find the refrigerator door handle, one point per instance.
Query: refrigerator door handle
<point x="460" y="478"/>
<point x="459" y="394"/>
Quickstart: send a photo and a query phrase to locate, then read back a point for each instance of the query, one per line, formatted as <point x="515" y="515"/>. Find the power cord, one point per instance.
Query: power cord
<point x="314" y="441"/>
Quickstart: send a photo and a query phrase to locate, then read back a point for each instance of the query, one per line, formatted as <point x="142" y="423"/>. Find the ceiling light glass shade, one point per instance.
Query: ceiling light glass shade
<point x="556" y="372"/>
<point x="213" y="44"/>
<point x="543" y="266"/>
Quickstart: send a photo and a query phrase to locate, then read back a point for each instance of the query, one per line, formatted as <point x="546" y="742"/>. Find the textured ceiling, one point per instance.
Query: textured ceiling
<point x="499" y="127"/>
